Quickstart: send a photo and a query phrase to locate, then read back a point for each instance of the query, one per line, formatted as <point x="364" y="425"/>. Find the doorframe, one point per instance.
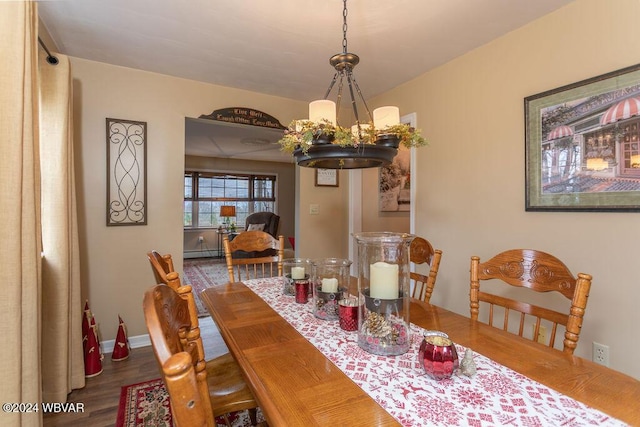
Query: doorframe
<point x="355" y="198"/>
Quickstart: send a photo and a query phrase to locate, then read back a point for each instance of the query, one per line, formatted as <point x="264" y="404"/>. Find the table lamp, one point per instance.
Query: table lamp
<point x="226" y="212"/>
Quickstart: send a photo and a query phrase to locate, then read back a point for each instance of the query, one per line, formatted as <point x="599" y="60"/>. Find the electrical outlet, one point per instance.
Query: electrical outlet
<point x="542" y="334"/>
<point x="600" y="354"/>
<point x="200" y="239"/>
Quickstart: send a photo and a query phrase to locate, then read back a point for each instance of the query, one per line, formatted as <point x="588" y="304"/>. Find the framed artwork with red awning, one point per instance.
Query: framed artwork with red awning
<point x="582" y="145"/>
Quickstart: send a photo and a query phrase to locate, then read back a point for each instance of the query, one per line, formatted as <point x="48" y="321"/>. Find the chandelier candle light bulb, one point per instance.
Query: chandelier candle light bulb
<point x="384" y="280"/>
<point x="384" y="117"/>
<point x="364" y="127"/>
<point x="322" y="109"/>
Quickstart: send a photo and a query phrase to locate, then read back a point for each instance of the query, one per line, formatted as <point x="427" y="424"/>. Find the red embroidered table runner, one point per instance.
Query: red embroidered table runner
<point x="495" y="395"/>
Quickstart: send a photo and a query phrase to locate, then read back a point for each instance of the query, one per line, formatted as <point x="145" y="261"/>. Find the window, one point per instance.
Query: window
<point x="206" y="192"/>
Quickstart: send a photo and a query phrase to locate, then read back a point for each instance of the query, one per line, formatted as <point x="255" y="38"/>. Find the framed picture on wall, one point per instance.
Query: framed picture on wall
<point x="582" y="145"/>
<point x="326" y="178"/>
<point x="395" y="179"/>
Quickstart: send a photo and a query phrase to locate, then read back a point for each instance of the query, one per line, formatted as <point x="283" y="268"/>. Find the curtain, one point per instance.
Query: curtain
<point x="40" y="307"/>
<point x="62" y="353"/>
<point x="20" y="207"/>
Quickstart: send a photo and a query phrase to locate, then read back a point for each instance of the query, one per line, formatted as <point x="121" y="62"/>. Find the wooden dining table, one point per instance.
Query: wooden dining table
<point x="295" y="384"/>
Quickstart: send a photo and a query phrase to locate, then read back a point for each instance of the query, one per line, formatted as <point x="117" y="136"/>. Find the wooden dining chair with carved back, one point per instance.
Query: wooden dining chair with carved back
<point x="540" y="272"/>
<point x="199" y="391"/>
<point x="253" y="267"/>
<point x="421" y="252"/>
<point x="161" y="265"/>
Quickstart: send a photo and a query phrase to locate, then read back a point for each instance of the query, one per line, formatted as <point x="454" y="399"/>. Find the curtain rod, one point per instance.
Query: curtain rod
<point x="50" y="58"/>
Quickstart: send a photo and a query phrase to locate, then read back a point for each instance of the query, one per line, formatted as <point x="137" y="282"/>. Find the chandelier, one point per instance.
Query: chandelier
<point x="320" y="141"/>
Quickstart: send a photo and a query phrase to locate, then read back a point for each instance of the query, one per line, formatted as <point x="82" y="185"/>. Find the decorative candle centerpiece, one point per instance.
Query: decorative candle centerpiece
<point x="438" y="356"/>
<point x="297" y="272"/>
<point x="330" y="283"/>
<point x="383" y="284"/>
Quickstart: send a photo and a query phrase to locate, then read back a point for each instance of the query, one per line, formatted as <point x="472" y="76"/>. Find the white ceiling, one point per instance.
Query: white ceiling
<point x="281" y="47"/>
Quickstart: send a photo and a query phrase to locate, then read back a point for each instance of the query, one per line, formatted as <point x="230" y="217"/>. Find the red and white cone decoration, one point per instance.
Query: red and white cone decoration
<point x="86" y="315"/>
<point x="121" y="347"/>
<point x="92" y="354"/>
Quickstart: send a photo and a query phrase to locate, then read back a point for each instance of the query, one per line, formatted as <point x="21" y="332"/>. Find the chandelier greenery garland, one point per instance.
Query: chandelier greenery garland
<point x="302" y="134"/>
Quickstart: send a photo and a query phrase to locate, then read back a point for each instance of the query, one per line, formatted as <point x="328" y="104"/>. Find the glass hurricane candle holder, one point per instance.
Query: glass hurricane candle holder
<point x="330" y="283"/>
<point x="295" y="270"/>
<point x="383" y="285"/>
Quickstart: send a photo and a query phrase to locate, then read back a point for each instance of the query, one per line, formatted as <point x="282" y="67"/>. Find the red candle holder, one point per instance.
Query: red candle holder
<point x="438" y="356"/>
<point x="302" y="291"/>
<point x="348" y="314"/>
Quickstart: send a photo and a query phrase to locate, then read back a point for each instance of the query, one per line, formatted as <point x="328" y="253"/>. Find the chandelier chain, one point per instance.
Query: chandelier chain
<point x="322" y="142"/>
<point x="344" y="27"/>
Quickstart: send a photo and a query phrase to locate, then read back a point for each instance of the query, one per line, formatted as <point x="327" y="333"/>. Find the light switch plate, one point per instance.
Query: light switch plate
<point x="314" y="209"/>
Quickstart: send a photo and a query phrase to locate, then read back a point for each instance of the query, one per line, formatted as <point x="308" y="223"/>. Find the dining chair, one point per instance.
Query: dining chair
<point x="199" y="391"/>
<point x="161" y="265"/>
<point x="539" y="272"/>
<point x="422" y="252"/>
<point x="253" y="267"/>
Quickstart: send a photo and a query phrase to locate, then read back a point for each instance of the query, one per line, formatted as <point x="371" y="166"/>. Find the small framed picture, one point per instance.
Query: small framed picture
<point x="326" y="177"/>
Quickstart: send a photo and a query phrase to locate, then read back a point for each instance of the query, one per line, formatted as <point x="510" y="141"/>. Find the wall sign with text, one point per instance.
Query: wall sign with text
<point x="244" y="116"/>
<point x="326" y="177"/>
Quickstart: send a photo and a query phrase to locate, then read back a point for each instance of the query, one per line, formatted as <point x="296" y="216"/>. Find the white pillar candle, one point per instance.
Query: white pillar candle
<point x="330" y="285"/>
<point x="363" y="130"/>
<point x="322" y="109"/>
<point x="386" y="116"/>
<point x="297" y="273"/>
<point x="384" y="280"/>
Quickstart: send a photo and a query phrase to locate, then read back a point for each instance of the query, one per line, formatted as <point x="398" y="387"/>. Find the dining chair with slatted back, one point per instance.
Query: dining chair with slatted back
<point x="161" y="265"/>
<point x="253" y="267"/>
<point x="421" y="252"/>
<point x="539" y="272"/>
<point x="210" y="388"/>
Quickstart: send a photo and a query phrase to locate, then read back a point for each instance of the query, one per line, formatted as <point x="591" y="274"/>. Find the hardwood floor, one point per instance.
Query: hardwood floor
<point x="101" y="394"/>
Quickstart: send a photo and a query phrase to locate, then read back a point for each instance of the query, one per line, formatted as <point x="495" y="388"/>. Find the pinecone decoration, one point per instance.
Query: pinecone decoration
<point x="377" y="326"/>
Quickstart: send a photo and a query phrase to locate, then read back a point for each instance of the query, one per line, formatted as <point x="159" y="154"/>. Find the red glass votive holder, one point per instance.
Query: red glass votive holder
<point x="302" y="291"/>
<point x="348" y="314"/>
<point x="438" y="356"/>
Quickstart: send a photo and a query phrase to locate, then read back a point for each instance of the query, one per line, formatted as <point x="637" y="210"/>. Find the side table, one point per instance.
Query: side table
<point x="221" y="233"/>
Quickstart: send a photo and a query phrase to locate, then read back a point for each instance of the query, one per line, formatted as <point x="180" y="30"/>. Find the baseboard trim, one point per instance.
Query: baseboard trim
<point x="134" y="342"/>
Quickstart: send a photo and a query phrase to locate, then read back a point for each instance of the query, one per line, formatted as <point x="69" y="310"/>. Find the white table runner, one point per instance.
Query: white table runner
<point x="495" y="396"/>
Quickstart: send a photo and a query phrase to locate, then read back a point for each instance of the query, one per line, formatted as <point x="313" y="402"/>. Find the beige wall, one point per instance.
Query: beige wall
<point x="115" y="270"/>
<point x="471" y="178"/>
<point x="285" y="190"/>
<point x="326" y="234"/>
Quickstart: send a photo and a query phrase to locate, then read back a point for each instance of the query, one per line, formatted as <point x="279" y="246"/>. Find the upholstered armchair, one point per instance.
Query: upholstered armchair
<point x="261" y="221"/>
<point x="270" y="221"/>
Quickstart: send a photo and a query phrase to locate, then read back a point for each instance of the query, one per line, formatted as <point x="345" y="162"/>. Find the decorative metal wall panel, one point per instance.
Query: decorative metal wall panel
<point x="126" y="172"/>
